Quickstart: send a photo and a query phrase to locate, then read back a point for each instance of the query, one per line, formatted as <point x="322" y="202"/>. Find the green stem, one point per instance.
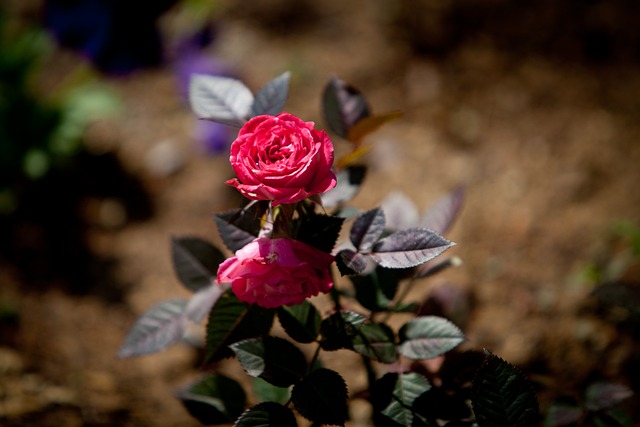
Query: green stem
<point x="314" y="359"/>
<point x="399" y="298"/>
<point x="335" y="294"/>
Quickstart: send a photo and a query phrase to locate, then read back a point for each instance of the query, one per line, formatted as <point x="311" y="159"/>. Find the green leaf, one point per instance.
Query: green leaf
<point x="195" y="261"/>
<point x="214" y="400"/>
<point x="321" y="397"/>
<point x="376" y="341"/>
<point x="367" y="229"/>
<point x="36" y="163"/>
<point x="273" y="359"/>
<point x="409" y="386"/>
<point x="155" y="330"/>
<point x="562" y="415"/>
<point x="230" y="321"/>
<point x="266" y="392"/>
<point x="375" y="291"/>
<point x="320" y="231"/>
<point x="267" y="414"/>
<point x="339" y="330"/>
<point x="238" y="227"/>
<point x="270" y="99"/>
<point x="220" y="99"/>
<point x="410" y="247"/>
<point x="502" y="396"/>
<point x="301" y="322"/>
<point x="602" y="395"/>
<point x="343" y="106"/>
<point x="612" y="418"/>
<point x="427" y="337"/>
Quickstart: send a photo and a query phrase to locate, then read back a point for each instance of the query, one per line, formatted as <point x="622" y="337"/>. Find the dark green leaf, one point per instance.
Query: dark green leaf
<point x="381" y="397"/>
<point x="343" y="106"/>
<point x="408" y="248"/>
<point x="267" y="414"/>
<point x="266" y="392"/>
<point x="273" y="359"/>
<point x="620" y="294"/>
<point x="376" y="290"/>
<point x="459" y="368"/>
<point x="376" y="341"/>
<point x="320" y="231"/>
<point x="270" y="99"/>
<point x="562" y="415"/>
<point x="195" y="261"/>
<point x="321" y="397"/>
<point x="427" y="337"/>
<point x="155" y="330"/>
<point x="349" y="182"/>
<point x="214" y="400"/>
<point x="339" y="330"/>
<point x="502" y="396"/>
<point x="301" y="321"/>
<point x="601" y="396"/>
<point x="442" y="404"/>
<point x="230" y="321"/>
<point x="220" y="99"/>
<point x="611" y="418"/>
<point x="367" y="229"/>
<point x="238" y="227"/>
<point x="408" y="387"/>
<point x="350" y="262"/>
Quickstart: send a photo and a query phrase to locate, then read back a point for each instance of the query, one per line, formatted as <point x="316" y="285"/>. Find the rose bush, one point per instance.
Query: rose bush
<point x="281" y="158"/>
<point x="275" y="272"/>
<point x="283" y="256"/>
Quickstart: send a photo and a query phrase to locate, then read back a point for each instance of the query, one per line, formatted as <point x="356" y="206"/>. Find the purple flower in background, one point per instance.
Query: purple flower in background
<point x="118" y="36"/>
<point x="191" y="57"/>
<point x="214" y="138"/>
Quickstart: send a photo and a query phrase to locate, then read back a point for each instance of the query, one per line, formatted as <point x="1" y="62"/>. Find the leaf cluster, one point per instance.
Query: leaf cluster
<point x="599" y="406"/>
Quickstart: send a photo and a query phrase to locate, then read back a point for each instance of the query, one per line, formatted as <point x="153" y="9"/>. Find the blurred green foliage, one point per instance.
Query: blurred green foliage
<point x="39" y="131"/>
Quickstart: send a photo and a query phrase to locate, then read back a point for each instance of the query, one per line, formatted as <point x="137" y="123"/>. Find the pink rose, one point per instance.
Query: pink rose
<point x="281" y="158"/>
<point x="275" y="272"/>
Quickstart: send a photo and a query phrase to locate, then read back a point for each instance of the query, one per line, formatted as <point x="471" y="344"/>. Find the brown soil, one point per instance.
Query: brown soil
<point x="545" y="140"/>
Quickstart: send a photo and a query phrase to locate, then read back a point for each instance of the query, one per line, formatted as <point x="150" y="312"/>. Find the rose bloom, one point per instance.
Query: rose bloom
<point x="281" y="158"/>
<point x="275" y="272"/>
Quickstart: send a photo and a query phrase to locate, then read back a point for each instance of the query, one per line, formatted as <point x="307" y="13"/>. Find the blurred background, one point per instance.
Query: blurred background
<point x="533" y="105"/>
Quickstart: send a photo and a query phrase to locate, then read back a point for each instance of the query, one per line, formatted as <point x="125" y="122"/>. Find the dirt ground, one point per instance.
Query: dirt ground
<point x="543" y="132"/>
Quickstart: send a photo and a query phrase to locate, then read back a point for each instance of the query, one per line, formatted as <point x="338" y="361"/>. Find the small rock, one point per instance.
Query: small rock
<point x="164" y="159"/>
